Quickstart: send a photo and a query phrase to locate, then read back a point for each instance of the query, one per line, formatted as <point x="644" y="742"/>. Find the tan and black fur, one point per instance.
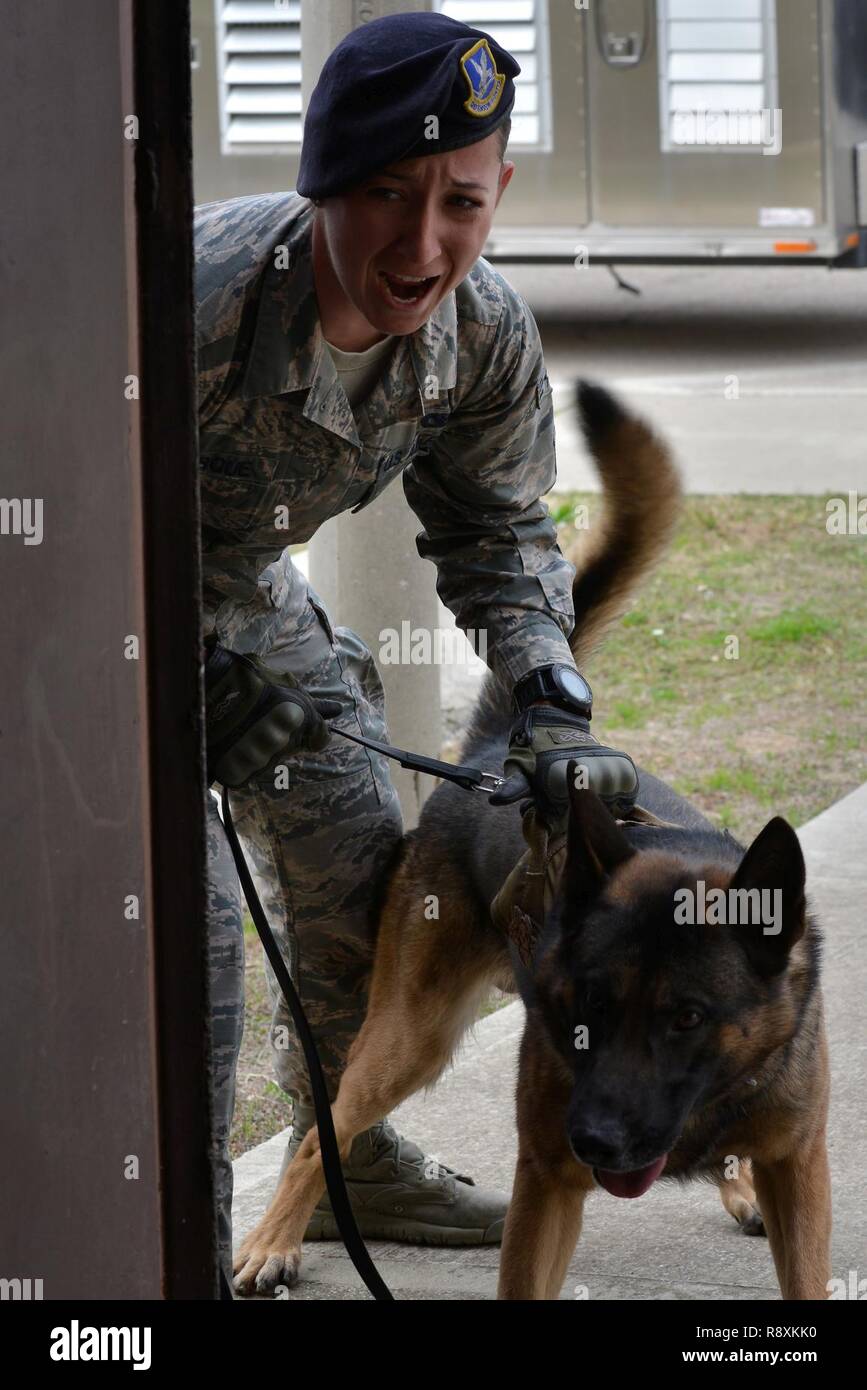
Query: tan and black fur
<point x="749" y="1082"/>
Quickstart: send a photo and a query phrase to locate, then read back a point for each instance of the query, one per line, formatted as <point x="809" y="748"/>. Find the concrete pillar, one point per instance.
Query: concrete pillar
<point x="368" y="571"/>
<point x="366" y="567"/>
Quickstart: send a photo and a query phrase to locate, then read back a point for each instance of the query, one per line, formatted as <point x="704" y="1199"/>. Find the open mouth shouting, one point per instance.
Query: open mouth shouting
<point x="406" y="291"/>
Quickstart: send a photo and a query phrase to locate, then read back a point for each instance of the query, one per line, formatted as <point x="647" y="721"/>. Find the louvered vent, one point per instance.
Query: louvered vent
<point x="521" y="27"/>
<point x="259" y="53"/>
<point x="717" y="73"/>
<point x="259" y="56"/>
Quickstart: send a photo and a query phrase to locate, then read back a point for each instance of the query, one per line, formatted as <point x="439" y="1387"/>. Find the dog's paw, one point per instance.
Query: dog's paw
<point x="750" y="1221"/>
<point x="264" y="1264"/>
<point x="739" y="1199"/>
<point x="745" y="1210"/>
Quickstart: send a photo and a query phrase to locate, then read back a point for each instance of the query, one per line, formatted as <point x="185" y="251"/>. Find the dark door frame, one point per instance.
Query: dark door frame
<point x="167" y="345"/>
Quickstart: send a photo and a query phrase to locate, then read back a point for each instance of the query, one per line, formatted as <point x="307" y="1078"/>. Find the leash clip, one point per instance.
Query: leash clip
<point x="488" y="782"/>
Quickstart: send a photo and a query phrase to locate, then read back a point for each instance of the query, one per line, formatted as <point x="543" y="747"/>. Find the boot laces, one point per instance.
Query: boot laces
<point x="383" y="1136"/>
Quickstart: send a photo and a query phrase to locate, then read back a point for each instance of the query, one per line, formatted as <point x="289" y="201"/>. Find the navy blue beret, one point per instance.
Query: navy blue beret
<point x="377" y="89"/>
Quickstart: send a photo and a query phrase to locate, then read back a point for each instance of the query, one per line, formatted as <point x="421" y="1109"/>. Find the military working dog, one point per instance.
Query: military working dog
<point x="661" y="1042"/>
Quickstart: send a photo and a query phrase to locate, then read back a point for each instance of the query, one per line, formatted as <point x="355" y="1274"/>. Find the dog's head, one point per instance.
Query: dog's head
<point x="665" y="983"/>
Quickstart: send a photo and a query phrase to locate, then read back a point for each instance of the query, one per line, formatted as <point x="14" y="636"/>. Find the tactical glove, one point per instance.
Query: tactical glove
<point x="253" y="715"/>
<point x="542" y="742"/>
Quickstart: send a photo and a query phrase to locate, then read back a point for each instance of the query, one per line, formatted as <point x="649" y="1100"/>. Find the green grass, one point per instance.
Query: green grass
<point x="772" y="722"/>
<point x="797" y="625"/>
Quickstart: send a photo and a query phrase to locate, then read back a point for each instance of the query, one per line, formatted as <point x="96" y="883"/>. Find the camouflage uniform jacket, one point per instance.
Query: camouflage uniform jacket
<point x="462" y="410"/>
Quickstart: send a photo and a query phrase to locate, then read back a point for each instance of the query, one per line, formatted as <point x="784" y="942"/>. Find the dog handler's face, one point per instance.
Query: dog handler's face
<point x="426" y="219"/>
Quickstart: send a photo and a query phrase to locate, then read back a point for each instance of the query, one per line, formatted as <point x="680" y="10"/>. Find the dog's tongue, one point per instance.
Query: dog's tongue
<point x="633" y="1184"/>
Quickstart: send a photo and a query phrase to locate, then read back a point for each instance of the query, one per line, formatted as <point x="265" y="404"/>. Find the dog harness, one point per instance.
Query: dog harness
<point x="527" y="894"/>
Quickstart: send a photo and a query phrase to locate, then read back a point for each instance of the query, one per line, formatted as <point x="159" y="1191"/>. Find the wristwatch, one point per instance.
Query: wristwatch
<point x="561" y="685"/>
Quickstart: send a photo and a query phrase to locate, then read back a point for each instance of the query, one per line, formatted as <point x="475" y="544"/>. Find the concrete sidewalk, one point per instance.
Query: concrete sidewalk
<point x="673" y="1243"/>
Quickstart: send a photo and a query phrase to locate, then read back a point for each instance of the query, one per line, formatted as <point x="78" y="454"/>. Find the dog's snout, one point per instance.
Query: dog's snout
<point x="598" y="1141"/>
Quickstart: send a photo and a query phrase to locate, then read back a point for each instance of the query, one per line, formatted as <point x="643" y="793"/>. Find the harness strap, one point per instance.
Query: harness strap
<point x="639" y="815"/>
<point x="519" y="908"/>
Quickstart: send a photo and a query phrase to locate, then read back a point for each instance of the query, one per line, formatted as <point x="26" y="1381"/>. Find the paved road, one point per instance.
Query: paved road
<point x="792" y="342"/>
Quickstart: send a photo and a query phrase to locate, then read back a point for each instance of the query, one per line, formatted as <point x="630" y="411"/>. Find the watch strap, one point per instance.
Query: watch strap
<point x="540" y="684"/>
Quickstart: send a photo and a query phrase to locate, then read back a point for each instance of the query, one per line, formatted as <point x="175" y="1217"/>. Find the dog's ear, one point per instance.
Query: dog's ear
<point x="773" y="865"/>
<point x="594" y="845"/>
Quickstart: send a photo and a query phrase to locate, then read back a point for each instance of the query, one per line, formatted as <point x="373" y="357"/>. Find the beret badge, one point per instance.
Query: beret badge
<point x="485" y="83"/>
<point x="380" y="85"/>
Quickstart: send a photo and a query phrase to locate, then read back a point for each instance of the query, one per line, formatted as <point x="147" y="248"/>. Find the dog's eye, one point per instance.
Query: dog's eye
<point x="688" y="1019"/>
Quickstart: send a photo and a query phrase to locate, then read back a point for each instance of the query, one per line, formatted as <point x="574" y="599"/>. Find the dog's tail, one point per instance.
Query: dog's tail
<point x="641" y="496"/>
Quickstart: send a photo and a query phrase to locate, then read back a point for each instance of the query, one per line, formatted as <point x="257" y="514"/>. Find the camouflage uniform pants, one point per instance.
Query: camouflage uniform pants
<point x="316" y="849"/>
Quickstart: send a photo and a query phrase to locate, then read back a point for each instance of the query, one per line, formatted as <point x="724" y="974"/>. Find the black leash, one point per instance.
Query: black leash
<point x="334" y="1179"/>
<point x="471" y="779"/>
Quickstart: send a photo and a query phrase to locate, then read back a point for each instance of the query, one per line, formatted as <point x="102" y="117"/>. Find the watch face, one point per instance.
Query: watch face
<point x="573" y="685"/>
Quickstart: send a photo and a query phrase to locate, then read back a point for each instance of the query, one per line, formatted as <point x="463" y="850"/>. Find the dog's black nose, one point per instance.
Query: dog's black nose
<point x="598" y="1143"/>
